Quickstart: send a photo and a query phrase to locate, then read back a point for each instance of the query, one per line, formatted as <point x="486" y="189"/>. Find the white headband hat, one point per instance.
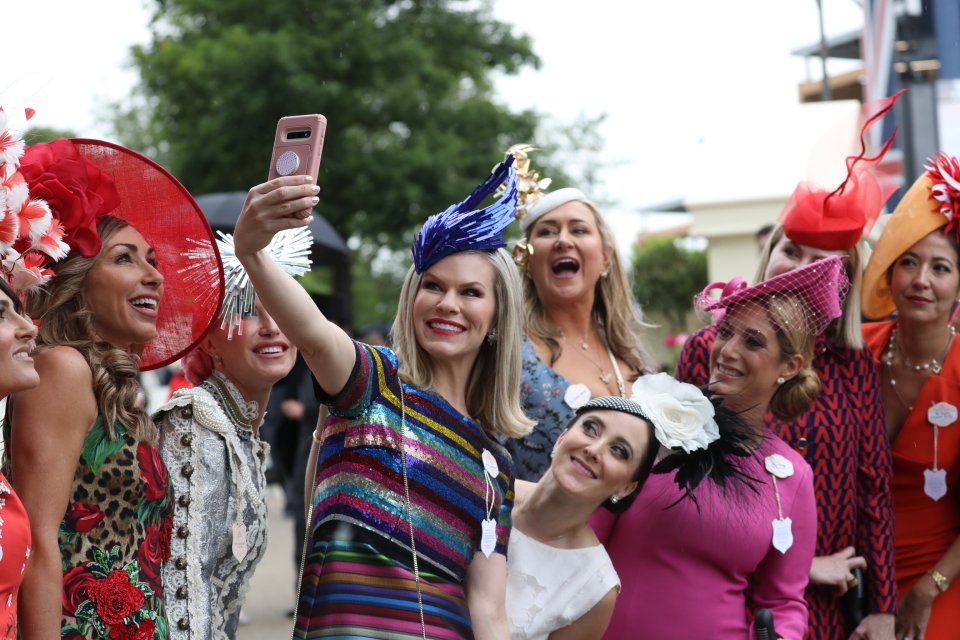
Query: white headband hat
<point x="549" y="202"/>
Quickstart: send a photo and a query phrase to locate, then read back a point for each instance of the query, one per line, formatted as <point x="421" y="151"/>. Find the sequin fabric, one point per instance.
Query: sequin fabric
<point x="359" y="477"/>
<point x="220" y="517"/>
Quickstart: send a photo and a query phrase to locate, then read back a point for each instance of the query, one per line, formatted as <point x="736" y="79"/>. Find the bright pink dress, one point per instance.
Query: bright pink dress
<point x="685" y="574"/>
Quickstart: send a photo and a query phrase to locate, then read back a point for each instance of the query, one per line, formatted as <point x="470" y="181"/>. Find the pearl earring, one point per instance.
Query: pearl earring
<point x="780" y="380"/>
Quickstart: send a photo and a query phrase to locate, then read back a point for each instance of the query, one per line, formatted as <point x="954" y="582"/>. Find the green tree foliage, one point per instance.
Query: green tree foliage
<point x="406" y="87"/>
<point x="666" y="276"/>
<point x="36" y="135"/>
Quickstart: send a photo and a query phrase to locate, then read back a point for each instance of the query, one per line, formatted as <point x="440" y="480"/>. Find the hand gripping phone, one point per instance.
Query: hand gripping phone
<point x="297" y="146"/>
<point x="763" y="625"/>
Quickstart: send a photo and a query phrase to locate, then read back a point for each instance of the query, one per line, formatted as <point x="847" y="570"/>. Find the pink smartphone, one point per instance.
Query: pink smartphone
<point x="297" y="146"/>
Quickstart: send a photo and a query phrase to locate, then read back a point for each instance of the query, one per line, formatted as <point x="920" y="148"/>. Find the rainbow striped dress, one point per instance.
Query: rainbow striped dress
<point x="358" y="580"/>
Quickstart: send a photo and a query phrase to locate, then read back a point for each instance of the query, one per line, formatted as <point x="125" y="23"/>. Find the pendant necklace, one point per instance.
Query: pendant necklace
<point x="935" y="365"/>
<point x="605" y="376"/>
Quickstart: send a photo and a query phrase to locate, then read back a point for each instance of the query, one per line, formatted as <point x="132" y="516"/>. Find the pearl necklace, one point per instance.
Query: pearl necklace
<point x="935" y="365"/>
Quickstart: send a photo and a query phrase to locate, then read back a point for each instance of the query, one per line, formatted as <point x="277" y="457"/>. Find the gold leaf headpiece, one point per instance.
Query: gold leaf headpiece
<point x="531" y="186"/>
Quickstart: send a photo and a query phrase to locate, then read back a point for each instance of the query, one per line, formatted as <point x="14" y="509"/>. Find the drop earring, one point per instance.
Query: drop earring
<point x="492" y="336"/>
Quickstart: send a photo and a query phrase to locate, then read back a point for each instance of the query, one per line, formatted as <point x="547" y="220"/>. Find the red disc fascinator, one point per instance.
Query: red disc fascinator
<point x="84" y="179"/>
<point x="836" y="220"/>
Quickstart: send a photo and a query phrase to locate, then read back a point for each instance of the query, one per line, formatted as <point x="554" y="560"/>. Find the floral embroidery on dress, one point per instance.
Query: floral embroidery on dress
<point x="112" y="559"/>
<point x="541" y="397"/>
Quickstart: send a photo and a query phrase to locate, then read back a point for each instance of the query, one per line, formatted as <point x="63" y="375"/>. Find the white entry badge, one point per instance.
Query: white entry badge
<point x="576" y="396"/>
<point x="935" y="483"/>
<point x="782" y="534"/>
<point x="942" y="414"/>
<point x="778" y="466"/>
<point x="488" y="536"/>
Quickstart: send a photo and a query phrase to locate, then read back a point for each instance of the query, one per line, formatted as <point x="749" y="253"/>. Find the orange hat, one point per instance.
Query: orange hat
<point x="931" y="203"/>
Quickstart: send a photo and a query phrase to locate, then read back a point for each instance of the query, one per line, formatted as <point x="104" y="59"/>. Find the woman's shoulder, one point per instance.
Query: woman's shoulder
<point x="876" y="335"/>
<point x="63" y="359"/>
<point x="63" y="371"/>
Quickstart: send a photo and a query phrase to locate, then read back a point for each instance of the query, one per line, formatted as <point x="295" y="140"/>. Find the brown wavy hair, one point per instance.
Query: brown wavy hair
<point x="66" y="320"/>
<point x="615" y="311"/>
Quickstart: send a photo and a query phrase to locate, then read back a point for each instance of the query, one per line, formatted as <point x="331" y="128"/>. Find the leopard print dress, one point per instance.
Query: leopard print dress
<point x="113" y="539"/>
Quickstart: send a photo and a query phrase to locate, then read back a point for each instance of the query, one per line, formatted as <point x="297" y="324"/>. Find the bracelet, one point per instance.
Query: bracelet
<point x="315" y="438"/>
<point x="941" y="580"/>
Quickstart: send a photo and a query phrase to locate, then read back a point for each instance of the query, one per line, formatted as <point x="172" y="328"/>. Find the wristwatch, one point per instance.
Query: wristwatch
<point x="939" y="579"/>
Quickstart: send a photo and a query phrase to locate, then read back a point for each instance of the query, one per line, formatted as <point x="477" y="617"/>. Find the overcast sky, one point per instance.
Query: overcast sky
<point x="670" y="75"/>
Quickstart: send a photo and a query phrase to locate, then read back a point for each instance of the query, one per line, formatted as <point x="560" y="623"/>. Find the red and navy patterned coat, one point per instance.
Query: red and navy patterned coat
<point x="843" y="438"/>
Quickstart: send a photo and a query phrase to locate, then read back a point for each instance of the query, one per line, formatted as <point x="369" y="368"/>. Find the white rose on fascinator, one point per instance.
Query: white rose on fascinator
<point x="681" y="415"/>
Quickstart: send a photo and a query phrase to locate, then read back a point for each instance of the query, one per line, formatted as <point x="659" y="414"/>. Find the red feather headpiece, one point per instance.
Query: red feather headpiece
<point x="836" y="220"/>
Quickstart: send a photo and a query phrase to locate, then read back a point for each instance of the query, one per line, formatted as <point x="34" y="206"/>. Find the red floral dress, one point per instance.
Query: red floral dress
<point x="113" y="539"/>
<point x="14" y="555"/>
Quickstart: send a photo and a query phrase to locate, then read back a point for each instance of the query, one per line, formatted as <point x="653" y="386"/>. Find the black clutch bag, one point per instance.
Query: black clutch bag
<point x="853" y="603"/>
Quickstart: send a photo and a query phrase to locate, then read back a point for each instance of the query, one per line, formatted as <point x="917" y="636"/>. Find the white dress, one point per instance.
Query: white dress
<point x="550" y="588"/>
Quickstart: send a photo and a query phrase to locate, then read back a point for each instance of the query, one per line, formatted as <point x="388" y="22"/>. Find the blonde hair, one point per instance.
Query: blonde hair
<point x="67" y="320"/>
<point x="493" y="389"/>
<point x="845" y="331"/>
<point x="792" y="398"/>
<point x="614" y="308"/>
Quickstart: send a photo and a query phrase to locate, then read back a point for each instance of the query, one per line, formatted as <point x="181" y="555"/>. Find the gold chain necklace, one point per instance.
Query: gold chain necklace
<point x="605" y="376"/>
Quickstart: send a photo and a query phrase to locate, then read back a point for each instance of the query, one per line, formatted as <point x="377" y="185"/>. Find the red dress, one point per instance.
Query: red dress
<point x="843" y="438"/>
<point x="925" y="527"/>
<point x="14" y="553"/>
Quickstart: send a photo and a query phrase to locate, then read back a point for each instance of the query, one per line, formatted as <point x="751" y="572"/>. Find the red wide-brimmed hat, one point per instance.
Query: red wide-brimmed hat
<point x="820" y="287"/>
<point x="836" y="220"/>
<point x="81" y="180"/>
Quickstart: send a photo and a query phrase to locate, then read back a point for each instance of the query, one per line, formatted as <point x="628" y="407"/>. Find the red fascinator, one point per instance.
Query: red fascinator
<point x="836" y="220"/>
<point x="82" y="180"/>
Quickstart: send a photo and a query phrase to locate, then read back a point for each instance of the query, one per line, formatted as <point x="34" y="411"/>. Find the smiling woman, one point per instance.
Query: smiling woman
<point x="109" y="309"/>
<point x="915" y="270"/>
<point x="582" y="328"/>
<point x="762" y="536"/>
<point x="17" y="373"/>
<point x="410" y="515"/>
<point x="209" y="439"/>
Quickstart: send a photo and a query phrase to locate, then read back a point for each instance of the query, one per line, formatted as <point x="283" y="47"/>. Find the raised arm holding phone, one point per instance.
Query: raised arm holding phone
<point x="413" y="493"/>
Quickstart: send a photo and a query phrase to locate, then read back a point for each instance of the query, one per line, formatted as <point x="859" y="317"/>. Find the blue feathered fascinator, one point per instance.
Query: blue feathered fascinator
<point x="463" y="227"/>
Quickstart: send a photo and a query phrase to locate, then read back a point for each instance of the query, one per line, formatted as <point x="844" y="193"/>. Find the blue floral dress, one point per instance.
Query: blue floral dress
<point x="541" y="397"/>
